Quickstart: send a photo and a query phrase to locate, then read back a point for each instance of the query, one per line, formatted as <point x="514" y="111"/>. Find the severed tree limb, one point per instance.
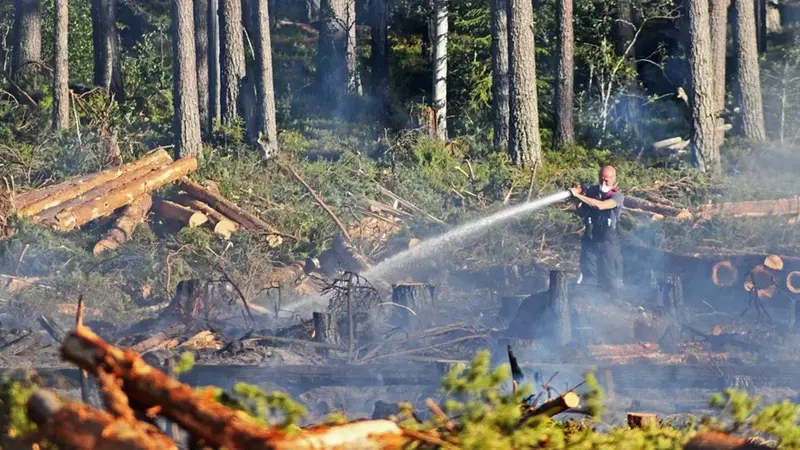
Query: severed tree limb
<point x="124" y="226"/>
<point x="320" y="202"/>
<point x="75" y="425"/>
<point x="114" y="399"/>
<point x="556" y="406"/>
<point x="225" y="206"/>
<point x="222" y="225"/>
<point x="179" y="213"/>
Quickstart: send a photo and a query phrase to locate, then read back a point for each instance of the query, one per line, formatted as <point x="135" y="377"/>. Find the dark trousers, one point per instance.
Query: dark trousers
<point x="601" y="261"/>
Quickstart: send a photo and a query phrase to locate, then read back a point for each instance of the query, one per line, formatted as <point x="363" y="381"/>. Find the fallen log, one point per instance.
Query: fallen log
<point x="647" y="205"/>
<point x="793" y="282"/>
<point x="40" y="200"/>
<point x="223" y="205"/>
<point x="75" y="425"/>
<point x="715" y="440"/>
<point x="73" y="218"/>
<point x="758" y="208"/>
<point x="123" y="228"/>
<point x="556" y="406"/>
<point x="179" y="213"/>
<point x="724" y="273"/>
<point x="222" y="225"/>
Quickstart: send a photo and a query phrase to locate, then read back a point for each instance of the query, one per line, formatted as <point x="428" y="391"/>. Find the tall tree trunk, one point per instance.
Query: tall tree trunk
<point x="440" y="67"/>
<point x="524" y="142"/>
<point x="186" y="118"/>
<point x="214" y="79"/>
<point x="624" y="46"/>
<point x="353" y="76"/>
<point x="61" y="69"/>
<point x="201" y="55"/>
<point x="719" y="45"/>
<point x="27" y="38"/>
<point x="500" y="74"/>
<point x="107" y="67"/>
<point x="231" y="57"/>
<point x="760" y="11"/>
<point x="380" y="55"/>
<point x="268" y="131"/>
<point x="564" y="131"/>
<point x="332" y="74"/>
<point x="748" y="80"/>
<point x="705" y="155"/>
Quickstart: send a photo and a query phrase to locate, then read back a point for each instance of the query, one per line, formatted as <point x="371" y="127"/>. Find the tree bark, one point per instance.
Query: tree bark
<point x="123" y="228"/>
<point x="222" y="225"/>
<point x="214" y="80"/>
<point x="524" y="142"/>
<point x="440" y="17"/>
<point x="73" y="218"/>
<point x="380" y="55"/>
<point x="559" y="299"/>
<point x="719" y="40"/>
<point x="705" y="155"/>
<point x="748" y="80"/>
<point x="418" y="297"/>
<point x="564" y="133"/>
<point x="107" y="67"/>
<point x="500" y="94"/>
<point x="179" y="213"/>
<point x="353" y="76"/>
<point x="186" y="118"/>
<point x="201" y="39"/>
<point x="332" y="69"/>
<point x="268" y="129"/>
<point x="61" y="69"/>
<point x="27" y="37"/>
<point x="231" y="56"/>
<point x="221" y="204"/>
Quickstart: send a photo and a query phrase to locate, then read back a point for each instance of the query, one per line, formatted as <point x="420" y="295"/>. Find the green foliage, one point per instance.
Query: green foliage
<point x="273" y="408"/>
<point x="185" y="364"/>
<point x="14" y="395"/>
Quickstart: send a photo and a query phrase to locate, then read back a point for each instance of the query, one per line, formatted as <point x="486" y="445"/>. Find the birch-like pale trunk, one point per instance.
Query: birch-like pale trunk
<point x="440" y="68"/>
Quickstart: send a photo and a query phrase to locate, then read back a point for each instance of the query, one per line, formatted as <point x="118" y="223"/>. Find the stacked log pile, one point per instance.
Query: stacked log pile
<point x="129" y="189"/>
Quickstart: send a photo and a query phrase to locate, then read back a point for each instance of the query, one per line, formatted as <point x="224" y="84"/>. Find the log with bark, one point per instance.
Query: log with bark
<point x="222" y="225"/>
<point x="179" y="213"/>
<point x="411" y="301"/>
<point x="716" y="440"/>
<point x="646" y="205"/>
<point x="223" y="205"/>
<point x="759" y="208"/>
<point x="75" y="425"/>
<point x="72" y="218"/>
<point x="556" y="406"/>
<point x="33" y="202"/>
<point x="123" y="228"/>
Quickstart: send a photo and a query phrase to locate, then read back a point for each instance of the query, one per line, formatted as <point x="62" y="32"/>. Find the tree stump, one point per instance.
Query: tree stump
<point x="384" y="409"/>
<point x="673" y="298"/>
<point x="642" y="420"/>
<point x="416" y="297"/>
<point x="325" y="330"/>
<point x="559" y="300"/>
<point x="509" y="306"/>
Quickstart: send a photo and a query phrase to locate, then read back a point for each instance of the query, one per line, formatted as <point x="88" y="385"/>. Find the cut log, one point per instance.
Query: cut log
<point x="667" y="142"/>
<point x="412" y="300"/>
<point x="33" y="202"/>
<point x="509" y="306"/>
<point x="793" y="282"/>
<point x="223" y="205"/>
<point x="559" y="299"/>
<point x="173" y="211"/>
<point x="642" y="420"/>
<point x="557" y="406"/>
<point x="759" y="208"/>
<point x="715" y="440"/>
<point x="763" y="281"/>
<point x="646" y="205"/>
<point x="202" y="416"/>
<point x="773" y="262"/>
<point x="724" y="273"/>
<point x="73" y="218"/>
<point x="131" y="216"/>
<point x="75" y="425"/>
<point x="222" y="225"/>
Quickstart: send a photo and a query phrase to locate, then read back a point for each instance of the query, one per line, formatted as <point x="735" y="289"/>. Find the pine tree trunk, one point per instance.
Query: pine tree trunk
<point x="231" y="57"/>
<point x="107" y="68"/>
<point x="61" y="69"/>
<point x="564" y="133"/>
<point x="719" y="39"/>
<point x="186" y="118"/>
<point x="27" y="38"/>
<point x="353" y="76"/>
<point x="214" y="79"/>
<point x="747" y="71"/>
<point x="332" y="75"/>
<point x="524" y="142"/>
<point x="624" y="36"/>
<point x="500" y="74"/>
<point x="201" y="57"/>
<point x="380" y="55"/>
<point x="268" y="140"/>
<point x="440" y="67"/>
<point x="761" y="25"/>
<point x="705" y="155"/>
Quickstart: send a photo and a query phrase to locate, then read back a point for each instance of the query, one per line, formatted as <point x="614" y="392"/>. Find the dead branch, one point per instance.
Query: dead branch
<point x="320" y="202"/>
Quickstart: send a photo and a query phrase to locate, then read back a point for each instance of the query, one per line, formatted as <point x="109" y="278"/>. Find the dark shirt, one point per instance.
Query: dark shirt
<point x="606" y="219"/>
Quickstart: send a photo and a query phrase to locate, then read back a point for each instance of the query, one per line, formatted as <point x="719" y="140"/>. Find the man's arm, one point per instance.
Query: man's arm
<point x="610" y="203"/>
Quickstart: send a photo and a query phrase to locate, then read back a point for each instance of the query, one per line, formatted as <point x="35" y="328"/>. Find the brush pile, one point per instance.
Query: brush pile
<point x="129" y="189"/>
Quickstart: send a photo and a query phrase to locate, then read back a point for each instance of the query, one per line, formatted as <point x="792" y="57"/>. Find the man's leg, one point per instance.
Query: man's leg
<point x="589" y="262"/>
<point x="610" y="263"/>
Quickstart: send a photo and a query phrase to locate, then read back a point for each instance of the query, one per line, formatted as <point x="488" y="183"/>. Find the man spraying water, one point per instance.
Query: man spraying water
<point x="601" y="206"/>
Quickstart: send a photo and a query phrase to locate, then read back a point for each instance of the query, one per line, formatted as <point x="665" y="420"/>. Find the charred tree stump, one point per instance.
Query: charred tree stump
<point x="674" y="307"/>
<point x="412" y="300"/>
<point x="509" y="306"/>
<point x="559" y="300"/>
<point x="642" y="420"/>
<point x="383" y="410"/>
<point x="325" y="331"/>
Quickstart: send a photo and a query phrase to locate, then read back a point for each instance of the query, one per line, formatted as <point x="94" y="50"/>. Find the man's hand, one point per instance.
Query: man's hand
<point x="576" y="191"/>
